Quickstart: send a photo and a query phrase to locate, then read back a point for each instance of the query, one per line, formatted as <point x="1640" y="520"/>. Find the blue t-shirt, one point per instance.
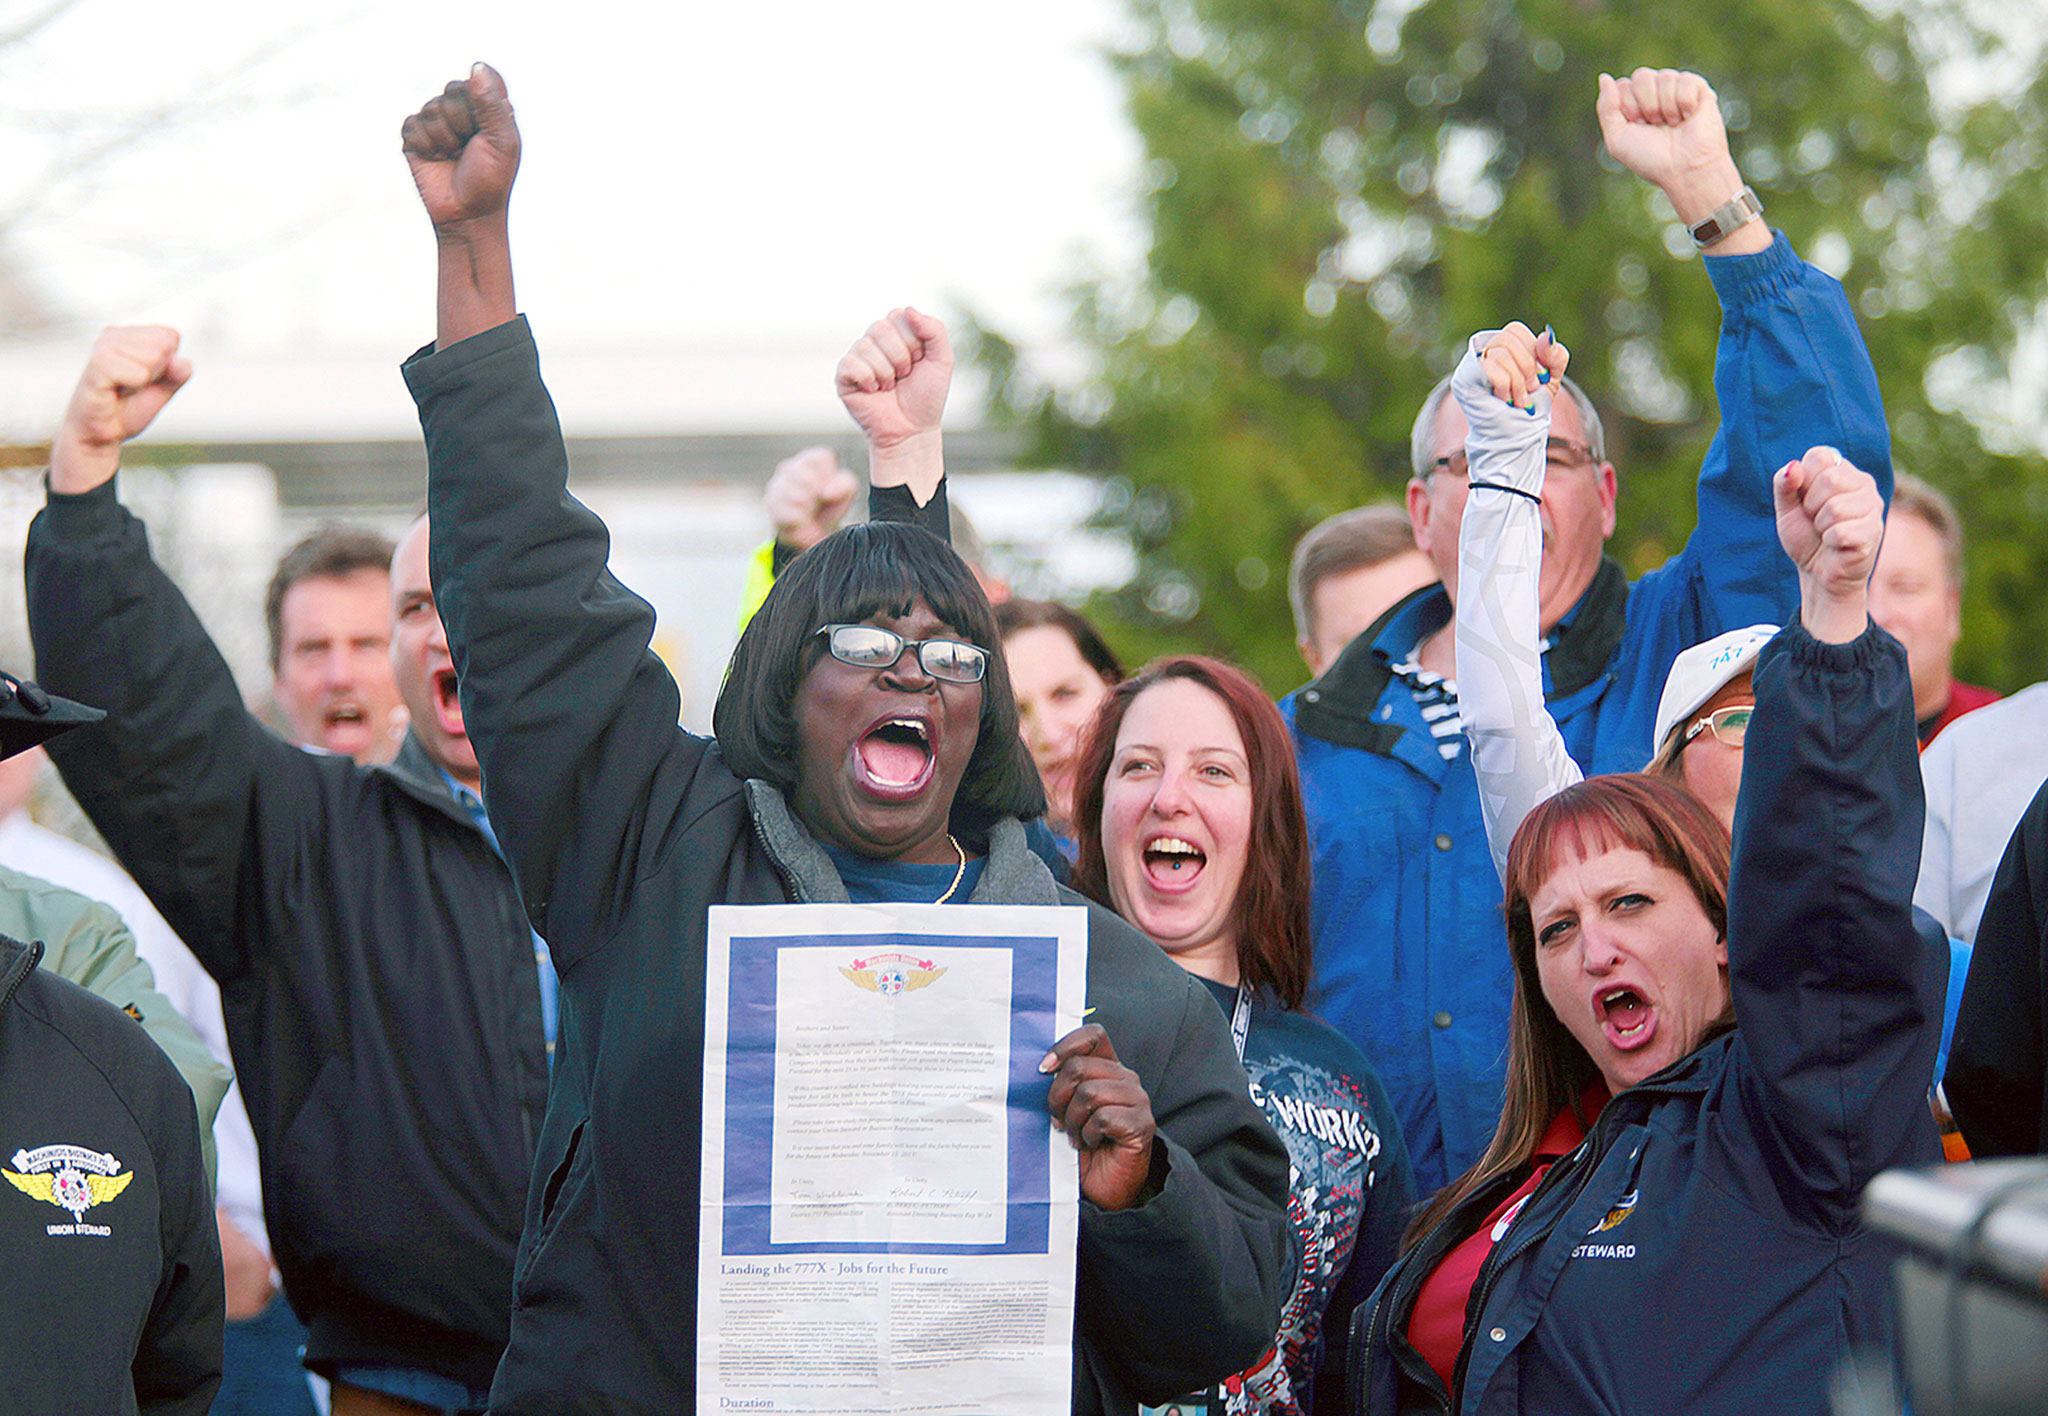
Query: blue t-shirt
<point x="870" y="881"/>
<point x="1350" y="1192"/>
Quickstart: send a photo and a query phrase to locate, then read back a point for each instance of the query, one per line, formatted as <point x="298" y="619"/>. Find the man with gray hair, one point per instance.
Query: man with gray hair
<point x="1349" y="570"/>
<point x="1411" y="959"/>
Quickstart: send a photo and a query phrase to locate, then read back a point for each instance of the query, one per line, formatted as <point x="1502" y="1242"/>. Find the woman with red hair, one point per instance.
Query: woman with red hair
<point x="1188" y="811"/>
<point x="1710" y="1051"/>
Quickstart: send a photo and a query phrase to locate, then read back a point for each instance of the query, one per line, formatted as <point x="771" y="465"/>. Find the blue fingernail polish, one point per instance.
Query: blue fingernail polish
<point x="1543" y="377"/>
<point x="1530" y="410"/>
<point x="1549" y="333"/>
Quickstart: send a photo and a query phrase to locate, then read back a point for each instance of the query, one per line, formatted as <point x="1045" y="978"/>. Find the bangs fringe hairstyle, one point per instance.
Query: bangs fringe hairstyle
<point x="878" y="567"/>
<point x="1547" y="1068"/>
<point x="1270" y="914"/>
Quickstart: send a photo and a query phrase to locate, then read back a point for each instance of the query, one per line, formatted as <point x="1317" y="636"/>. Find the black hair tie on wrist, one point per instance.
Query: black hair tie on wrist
<point x="1504" y="487"/>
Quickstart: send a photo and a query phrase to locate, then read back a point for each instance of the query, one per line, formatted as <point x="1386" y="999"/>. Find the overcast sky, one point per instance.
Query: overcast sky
<point x="765" y="176"/>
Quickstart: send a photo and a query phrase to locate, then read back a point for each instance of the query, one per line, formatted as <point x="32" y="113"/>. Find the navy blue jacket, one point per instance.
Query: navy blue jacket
<point x="1701" y="1251"/>
<point x="1410" y="954"/>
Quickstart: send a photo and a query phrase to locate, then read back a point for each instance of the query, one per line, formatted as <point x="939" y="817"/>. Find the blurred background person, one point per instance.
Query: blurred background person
<point x="328" y="613"/>
<point x="1980" y="774"/>
<point x="1347" y="571"/>
<point x="807" y="497"/>
<point x="260" y="1370"/>
<point x="1916" y="594"/>
<point x="1061" y="669"/>
<point x="1703" y="717"/>
<point x="1189" y="813"/>
<point x="1997" y="1082"/>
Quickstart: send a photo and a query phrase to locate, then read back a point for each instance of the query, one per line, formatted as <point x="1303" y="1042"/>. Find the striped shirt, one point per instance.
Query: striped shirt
<point x="1437" y="698"/>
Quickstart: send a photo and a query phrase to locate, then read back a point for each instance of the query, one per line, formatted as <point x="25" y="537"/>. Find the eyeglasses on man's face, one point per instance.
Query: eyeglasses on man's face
<point x="867" y="646"/>
<point x="1561" y="455"/>
<point x="1729" y="725"/>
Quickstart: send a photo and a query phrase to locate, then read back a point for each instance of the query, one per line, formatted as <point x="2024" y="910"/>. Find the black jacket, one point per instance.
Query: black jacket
<point x="110" y="1278"/>
<point x="375" y="968"/>
<point x="623" y="830"/>
<point x="1703" y="1250"/>
<point x="1997" y="1080"/>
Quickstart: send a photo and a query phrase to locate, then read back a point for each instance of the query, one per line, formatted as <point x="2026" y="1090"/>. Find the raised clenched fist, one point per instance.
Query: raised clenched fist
<point x="133" y="371"/>
<point x="894" y="379"/>
<point x="1665" y="126"/>
<point x="1830" y="522"/>
<point x="464" y="150"/>
<point x="1517" y="361"/>
<point x="808" y="496"/>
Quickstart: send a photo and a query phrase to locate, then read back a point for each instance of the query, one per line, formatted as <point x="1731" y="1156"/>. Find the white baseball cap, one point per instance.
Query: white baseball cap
<point x="1704" y="670"/>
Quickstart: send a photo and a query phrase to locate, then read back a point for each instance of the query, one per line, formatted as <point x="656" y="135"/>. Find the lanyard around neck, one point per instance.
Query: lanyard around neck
<point x="1241" y="1020"/>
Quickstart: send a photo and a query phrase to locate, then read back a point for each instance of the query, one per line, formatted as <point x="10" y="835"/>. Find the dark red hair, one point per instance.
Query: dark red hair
<point x="1270" y="914"/>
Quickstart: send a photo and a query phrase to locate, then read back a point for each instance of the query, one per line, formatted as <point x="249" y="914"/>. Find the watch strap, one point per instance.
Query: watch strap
<point x="1738" y="211"/>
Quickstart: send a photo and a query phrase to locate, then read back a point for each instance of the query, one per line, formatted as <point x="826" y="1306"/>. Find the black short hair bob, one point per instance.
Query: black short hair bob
<point x="873" y="568"/>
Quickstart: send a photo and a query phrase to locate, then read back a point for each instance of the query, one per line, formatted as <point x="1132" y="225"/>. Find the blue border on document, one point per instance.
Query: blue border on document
<point x="750" y="1087"/>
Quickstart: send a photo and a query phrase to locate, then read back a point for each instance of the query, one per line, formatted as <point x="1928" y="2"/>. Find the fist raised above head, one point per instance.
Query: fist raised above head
<point x="132" y="372"/>
<point x="463" y="147"/>
<point x="894" y="379"/>
<point x="1830" y="522"/>
<point x="1665" y="126"/>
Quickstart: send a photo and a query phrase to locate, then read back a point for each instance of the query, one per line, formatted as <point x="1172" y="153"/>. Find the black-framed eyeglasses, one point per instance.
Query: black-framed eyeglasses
<point x="1562" y="455"/>
<point x="1729" y="725"/>
<point x="867" y="646"/>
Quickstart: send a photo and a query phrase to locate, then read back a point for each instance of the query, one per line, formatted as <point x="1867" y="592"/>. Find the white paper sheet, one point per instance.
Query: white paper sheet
<point x="889" y="1218"/>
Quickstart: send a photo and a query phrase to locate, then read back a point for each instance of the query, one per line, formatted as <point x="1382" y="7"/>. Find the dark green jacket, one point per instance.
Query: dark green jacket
<point x="623" y="830"/>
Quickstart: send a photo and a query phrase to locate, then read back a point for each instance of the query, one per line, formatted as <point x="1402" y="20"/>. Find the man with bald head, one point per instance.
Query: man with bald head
<point x="389" y="1010"/>
<point x="1411" y="957"/>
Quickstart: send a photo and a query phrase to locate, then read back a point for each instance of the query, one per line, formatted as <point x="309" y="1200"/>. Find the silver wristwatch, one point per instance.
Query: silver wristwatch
<point x="1739" y="210"/>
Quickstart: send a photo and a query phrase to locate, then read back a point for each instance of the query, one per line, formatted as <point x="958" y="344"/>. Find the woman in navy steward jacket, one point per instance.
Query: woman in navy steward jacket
<point x="1710" y="1055"/>
<point x="867" y="749"/>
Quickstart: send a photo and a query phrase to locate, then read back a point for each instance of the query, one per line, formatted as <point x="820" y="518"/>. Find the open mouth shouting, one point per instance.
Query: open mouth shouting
<point x="344" y="724"/>
<point x="1627" y="1018"/>
<point x="447" y="705"/>
<point x="894" y="759"/>
<point x="1173" y="863"/>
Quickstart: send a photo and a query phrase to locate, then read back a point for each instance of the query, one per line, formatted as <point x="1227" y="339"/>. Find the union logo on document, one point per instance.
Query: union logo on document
<point x="891" y="973"/>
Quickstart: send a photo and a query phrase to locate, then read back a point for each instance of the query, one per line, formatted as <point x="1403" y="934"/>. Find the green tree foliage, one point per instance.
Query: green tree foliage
<point x="1339" y="191"/>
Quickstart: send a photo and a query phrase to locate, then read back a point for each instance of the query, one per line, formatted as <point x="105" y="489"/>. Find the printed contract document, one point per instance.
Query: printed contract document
<point x="889" y="1217"/>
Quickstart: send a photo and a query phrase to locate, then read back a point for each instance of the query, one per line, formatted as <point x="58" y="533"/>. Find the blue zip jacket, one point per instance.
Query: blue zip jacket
<point x="1411" y="955"/>
<point x="1701" y="1250"/>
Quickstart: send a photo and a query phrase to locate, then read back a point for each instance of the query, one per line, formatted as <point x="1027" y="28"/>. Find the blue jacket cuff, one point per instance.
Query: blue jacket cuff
<point x="1746" y="280"/>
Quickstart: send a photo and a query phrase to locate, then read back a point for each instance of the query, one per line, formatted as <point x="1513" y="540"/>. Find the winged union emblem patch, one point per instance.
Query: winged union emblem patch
<point x="1623" y="1208"/>
<point x="890" y="974"/>
<point x="69" y="1177"/>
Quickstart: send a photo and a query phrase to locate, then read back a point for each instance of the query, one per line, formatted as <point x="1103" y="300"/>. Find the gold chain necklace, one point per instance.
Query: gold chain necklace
<point x="958" y="873"/>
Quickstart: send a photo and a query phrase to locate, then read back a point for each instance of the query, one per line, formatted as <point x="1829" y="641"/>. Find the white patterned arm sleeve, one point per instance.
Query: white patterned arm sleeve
<point x="1517" y="753"/>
